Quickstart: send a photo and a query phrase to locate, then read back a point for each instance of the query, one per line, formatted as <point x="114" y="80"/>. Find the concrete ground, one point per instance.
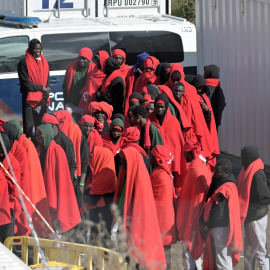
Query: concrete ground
<point x="177" y="250"/>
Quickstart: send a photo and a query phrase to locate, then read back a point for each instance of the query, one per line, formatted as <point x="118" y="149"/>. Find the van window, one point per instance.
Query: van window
<point x="165" y="46"/>
<point x="62" y="49"/>
<point x="12" y="49"/>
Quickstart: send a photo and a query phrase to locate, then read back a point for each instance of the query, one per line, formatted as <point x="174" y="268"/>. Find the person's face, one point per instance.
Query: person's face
<point x="167" y="75"/>
<point x="130" y="117"/>
<point x="178" y="92"/>
<point x="119" y="58"/>
<point x="100" y="116"/>
<point x="160" y="109"/>
<point x="188" y="156"/>
<point x="219" y="173"/>
<point x="148" y="69"/>
<point x="153" y="162"/>
<point x="87" y="128"/>
<point x="115" y="133"/>
<point x="37" y="51"/>
<point x="199" y="89"/>
<point x="150" y="107"/>
<point x="134" y="102"/>
<point x="175" y="80"/>
<point x="83" y="62"/>
<point x="136" y="120"/>
<point x="39" y="137"/>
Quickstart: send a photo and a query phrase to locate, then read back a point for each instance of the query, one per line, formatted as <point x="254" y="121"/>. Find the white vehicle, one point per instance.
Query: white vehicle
<point x="137" y="30"/>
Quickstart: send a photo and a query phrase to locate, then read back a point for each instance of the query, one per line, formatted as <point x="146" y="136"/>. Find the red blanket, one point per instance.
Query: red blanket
<point x="139" y="220"/>
<point x="129" y="88"/>
<point x="38" y="72"/>
<point x="59" y="188"/>
<point x="93" y="82"/>
<point x="5" y="217"/>
<point x="107" y="143"/>
<point x="37" y="187"/>
<point x="107" y="81"/>
<point x="244" y="181"/>
<point x="163" y="190"/>
<point x="190" y="204"/>
<point x="20" y="154"/>
<point x="173" y="139"/>
<point x="234" y="238"/>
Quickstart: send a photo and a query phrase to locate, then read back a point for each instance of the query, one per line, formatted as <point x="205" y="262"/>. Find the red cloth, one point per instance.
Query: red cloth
<point x="93" y="82"/>
<point x="234" y="238"/>
<point x="130" y="78"/>
<point x="124" y="68"/>
<point x="147" y="139"/>
<point x="168" y="92"/>
<point x="190" y="204"/>
<point x="163" y="191"/>
<point x="59" y="188"/>
<point x="107" y="80"/>
<point x="71" y="70"/>
<point x="87" y="119"/>
<point x="172" y="139"/>
<point x="146" y="77"/>
<point x="38" y="72"/>
<point x="107" y="143"/>
<point x="73" y="131"/>
<point x="140" y="222"/>
<point x="20" y="154"/>
<point x="38" y="191"/>
<point x="101" y="106"/>
<point x="194" y="146"/>
<point x="86" y="53"/>
<point x="147" y="97"/>
<point x="213" y="134"/>
<point x="48" y="118"/>
<point x="244" y="181"/>
<point x="213" y="82"/>
<point x="5" y="217"/>
<point x="163" y="157"/>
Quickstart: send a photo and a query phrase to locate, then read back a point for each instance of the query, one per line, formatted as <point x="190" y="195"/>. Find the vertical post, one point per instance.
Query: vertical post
<point x="86" y="8"/>
<point x="58" y="8"/>
<point x="106" y="6"/>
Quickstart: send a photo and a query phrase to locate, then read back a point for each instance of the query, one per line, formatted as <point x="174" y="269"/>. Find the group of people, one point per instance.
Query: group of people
<point x="145" y="139"/>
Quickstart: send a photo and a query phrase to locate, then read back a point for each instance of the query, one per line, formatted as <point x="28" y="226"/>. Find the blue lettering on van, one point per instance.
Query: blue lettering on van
<point x="63" y="4"/>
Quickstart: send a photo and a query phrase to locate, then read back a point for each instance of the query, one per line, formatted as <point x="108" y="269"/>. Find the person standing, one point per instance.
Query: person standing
<point x="120" y="56"/>
<point x="254" y="197"/>
<point x="33" y="72"/>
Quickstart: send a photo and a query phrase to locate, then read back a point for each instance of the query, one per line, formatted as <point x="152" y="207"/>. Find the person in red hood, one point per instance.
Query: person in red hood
<point x="120" y="56"/>
<point x="75" y="79"/>
<point x="102" y="111"/>
<point x="133" y="76"/>
<point x="189" y="204"/>
<point x="172" y="136"/>
<point x="148" y="76"/>
<point x="163" y="189"/>
<point x="94" y="81"/>
<point x="33" y="72"/>
<point x="135" y="201"/>
<point x="64" y="210"/>
<point x="113" y="86"/>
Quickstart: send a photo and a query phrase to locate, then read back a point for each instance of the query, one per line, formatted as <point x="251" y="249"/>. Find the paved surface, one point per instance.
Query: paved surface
<point x="177" y="250"/>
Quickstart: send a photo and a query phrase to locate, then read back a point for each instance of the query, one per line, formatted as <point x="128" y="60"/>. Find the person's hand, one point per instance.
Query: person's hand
<point x="204" y="107"/>
<point x="81" y="189"/>
<point x="47" y="90"/>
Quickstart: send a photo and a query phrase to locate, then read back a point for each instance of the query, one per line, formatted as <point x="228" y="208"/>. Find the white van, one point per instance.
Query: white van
<point x="168" y="38"/>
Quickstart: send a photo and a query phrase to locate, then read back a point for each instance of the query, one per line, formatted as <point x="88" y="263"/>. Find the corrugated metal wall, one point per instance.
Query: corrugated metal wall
<point x="235" y="35"/>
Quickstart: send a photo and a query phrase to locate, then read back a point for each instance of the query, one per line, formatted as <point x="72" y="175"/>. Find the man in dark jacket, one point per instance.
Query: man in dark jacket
<point x="254" y="197"/>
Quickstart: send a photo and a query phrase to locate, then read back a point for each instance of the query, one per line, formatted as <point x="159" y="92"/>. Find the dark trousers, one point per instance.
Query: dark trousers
<point x="31" y="118"/>
<point x="7" y="230"/>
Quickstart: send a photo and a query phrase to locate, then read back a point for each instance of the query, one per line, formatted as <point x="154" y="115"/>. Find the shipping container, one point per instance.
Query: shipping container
<point x="235" y="35"/>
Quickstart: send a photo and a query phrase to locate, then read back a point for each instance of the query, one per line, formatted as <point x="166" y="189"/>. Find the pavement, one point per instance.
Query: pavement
<point x="177" y="250"/>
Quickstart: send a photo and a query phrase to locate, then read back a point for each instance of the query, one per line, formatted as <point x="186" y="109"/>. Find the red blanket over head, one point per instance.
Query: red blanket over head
<point x="173" y="139"/>
<point x="20" y="154"/>
<point x="190" y="204"/>
<point x="139" y="220"/>
<point x="59" y="188"/>
<point x="37" y="188"/>
<point x="38" y="72"/>
<point x="93" y="82"/>
<point x="244" y="181"/>
<point x="163" y="190"/>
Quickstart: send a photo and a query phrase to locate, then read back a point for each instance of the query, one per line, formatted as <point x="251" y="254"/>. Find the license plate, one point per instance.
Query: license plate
<point x="132" y="3"/>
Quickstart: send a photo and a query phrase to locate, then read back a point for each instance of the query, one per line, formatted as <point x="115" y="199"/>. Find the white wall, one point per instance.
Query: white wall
<point x="236" y="37"/>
